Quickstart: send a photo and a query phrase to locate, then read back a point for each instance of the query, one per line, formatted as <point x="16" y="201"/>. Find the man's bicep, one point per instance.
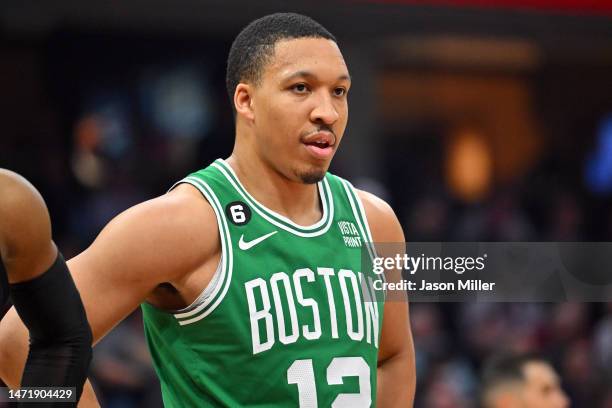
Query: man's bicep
<point x="108" y="295"/>
<point x="396" y="337"/>
<point x="25" y="229"/>
<point x="137" y="251"/>
<point x="388" y="234"/>
<point x="106" y="277"/>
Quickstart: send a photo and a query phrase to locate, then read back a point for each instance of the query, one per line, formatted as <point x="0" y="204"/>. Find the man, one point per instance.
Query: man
<point x="40" y="286"/>
<point x="252" y="292"/>
<point x="523" y="381"/>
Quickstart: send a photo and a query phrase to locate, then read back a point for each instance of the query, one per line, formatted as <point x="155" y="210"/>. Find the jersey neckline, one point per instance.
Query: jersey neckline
<point x="325" y="199"/>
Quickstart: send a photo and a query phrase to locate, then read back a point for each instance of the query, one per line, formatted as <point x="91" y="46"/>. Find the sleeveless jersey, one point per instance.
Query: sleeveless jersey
<point x="287" y="320"/>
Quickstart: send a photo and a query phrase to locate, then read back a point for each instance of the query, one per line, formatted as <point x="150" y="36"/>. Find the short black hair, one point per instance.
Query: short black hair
<point x="505" y="369"/>
<point x="255" y="45"/>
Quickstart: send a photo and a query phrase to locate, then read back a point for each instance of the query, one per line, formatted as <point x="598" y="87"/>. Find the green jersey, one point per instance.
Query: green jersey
<point x="287" y="319"/>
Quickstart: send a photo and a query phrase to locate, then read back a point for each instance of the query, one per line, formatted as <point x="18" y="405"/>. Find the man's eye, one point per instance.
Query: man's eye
<point x="300" y="88"/>
<point x="340" y="91"/>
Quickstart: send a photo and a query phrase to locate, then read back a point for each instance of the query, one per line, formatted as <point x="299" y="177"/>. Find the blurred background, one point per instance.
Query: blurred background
<point x="475" y="120"/>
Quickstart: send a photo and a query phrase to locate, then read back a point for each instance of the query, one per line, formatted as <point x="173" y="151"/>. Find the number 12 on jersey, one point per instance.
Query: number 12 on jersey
<point x="301" y="373"/>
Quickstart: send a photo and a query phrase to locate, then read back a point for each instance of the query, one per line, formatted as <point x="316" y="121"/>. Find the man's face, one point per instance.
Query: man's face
<point x="300" y="107"/>
<point x="542" y="388"/>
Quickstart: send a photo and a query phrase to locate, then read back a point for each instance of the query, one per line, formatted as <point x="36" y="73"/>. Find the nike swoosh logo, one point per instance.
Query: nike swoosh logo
<point x="244" y="245"/>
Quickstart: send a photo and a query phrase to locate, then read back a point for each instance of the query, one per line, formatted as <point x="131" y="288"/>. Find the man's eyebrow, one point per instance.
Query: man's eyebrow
<point x="310" y="75"/>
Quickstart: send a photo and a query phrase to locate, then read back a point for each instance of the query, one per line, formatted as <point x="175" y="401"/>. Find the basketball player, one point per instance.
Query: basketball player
<point x="524" y="381"/>
<point x="42" y="290"/>
<point x="248" y="271"/>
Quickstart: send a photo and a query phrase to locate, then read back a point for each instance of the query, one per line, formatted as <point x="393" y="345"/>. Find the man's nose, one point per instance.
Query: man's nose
<point x="324" y="111"/>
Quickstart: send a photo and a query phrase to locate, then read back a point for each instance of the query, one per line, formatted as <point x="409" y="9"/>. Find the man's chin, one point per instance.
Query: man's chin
<point x="311" y="176"/>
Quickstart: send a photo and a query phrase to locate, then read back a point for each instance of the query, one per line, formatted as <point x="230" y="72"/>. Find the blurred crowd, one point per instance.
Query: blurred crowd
<point x="452" y="340"/>
<point x="112" y="133"/>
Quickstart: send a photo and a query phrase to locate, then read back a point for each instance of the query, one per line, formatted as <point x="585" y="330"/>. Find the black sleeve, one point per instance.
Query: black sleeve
<point x="60" y="336"/>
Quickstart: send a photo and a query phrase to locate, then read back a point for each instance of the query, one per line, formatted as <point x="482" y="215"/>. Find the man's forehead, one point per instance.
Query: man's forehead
<point x="540" y="371"/>
<point x="307" y="55"/>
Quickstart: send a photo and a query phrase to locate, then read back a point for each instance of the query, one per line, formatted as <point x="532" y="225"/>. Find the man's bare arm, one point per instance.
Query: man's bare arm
<point x="396" y="362"/>
<point x="42" y="289"/>
<point x="161" y="240"/>
<point x="25" y="229"/>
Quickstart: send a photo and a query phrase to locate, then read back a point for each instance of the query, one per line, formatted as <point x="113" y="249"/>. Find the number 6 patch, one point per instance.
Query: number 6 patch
<point x="238" y="213"/>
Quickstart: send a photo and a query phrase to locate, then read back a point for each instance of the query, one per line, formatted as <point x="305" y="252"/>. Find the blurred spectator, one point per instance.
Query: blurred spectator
<point x="521" y="381"/>
<point x="122" y="370"/>
<point x="579" y="372"/>
<point x="603" y="343"/>
<point x="427" y="220"/>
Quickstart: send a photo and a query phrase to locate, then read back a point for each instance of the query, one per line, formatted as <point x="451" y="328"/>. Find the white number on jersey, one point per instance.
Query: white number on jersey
<point x="237" y="212"/>
<point x="301" y="373"/>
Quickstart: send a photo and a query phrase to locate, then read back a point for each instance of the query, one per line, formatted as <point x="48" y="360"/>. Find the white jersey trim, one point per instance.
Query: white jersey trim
<point x="359" y="213"/>
<point x="206" y="293"/>
<point x="256" y="206"/>
<point x="322" y="195"/>
<point x="208" y="299"/>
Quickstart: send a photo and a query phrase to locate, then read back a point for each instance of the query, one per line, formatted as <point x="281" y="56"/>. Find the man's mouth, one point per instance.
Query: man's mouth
<point x="320" y="144"/>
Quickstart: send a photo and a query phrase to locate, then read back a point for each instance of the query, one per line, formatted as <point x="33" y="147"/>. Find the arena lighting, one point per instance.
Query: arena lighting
<point x="598" y="167"/>
<point x="469" y="165"/>
<point x="466" y="51"/>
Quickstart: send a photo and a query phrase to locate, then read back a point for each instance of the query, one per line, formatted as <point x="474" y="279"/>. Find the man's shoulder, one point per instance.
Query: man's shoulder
<point x="25" y="226"/>
<point x="180" y="220"/>
<point x="383" y="222"/>
<point x="374" y="205"/>
<point x="17" y="195"/>
<point x="183" y="209"/>
<point x="162" y="239"/>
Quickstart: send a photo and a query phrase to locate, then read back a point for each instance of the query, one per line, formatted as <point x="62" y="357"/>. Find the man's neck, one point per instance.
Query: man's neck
<point x="295" y="200"/>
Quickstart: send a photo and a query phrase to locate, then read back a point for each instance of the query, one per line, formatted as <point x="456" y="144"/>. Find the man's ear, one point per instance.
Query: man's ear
<point x="243" y="101"/>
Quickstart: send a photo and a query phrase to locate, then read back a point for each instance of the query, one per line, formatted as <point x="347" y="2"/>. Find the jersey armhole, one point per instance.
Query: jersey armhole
<point x="212" y="295"/>
<point x="370" y="295"/>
